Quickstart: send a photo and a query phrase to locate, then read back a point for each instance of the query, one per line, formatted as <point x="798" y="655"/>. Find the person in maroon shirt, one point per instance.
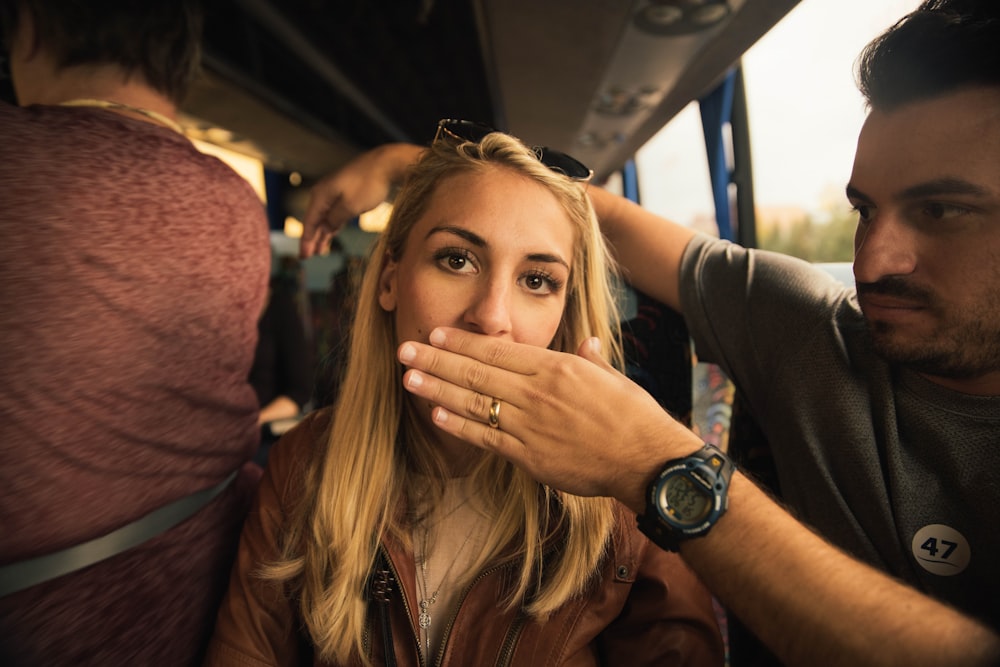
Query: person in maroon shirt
<point x="134" y="269"/>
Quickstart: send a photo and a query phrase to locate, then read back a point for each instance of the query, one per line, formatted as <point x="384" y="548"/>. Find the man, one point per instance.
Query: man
<point x="133" y="269"/>
<point x="882" y="408"/>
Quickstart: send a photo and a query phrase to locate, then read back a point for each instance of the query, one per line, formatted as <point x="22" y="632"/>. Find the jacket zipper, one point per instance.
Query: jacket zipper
<point x="513" y="632"/>
<point x="383" y="591"/>
<point x="510" y="639"/>
<point x="513" y="635"/>
<point x="510" y="642"/>
<point x="406" y="603"/>
<point x="454" y="615"/>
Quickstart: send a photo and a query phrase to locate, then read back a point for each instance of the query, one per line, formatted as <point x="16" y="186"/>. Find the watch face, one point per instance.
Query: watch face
<point x="687" y="502"/>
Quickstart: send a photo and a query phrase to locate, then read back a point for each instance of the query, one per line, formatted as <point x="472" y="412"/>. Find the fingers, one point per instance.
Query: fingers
<point x="468" y="409"/>
<point x="458" y="400"/>
<point x="313" y="243"/>
<point x="493" y="352"/>
<point x="325" y="217"/>
<point x="321" y="199"/>
<point x="590" y="349"/>
<point x="315" y="236"/>
<point x="479" y="434"/>
<point x="464" y="386"/>
<point x="463" y="371"/>
<point x="465" y="414"/>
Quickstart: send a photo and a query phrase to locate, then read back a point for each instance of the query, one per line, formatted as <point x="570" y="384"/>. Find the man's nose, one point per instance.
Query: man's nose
<point x="883" y="247"/>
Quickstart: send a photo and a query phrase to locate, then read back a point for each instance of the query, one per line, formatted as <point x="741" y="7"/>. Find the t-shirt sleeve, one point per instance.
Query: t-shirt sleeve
<point x="748" y="310"/>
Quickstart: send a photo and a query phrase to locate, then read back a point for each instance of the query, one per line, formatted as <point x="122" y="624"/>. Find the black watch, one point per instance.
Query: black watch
<point x="687" y="497"/>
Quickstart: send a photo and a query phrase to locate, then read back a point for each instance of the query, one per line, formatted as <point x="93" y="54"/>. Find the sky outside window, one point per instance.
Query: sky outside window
<point x="804" y="110"/>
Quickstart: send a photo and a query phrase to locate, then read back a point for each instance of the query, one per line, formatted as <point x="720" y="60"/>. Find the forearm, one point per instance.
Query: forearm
<point x="649" y="248"/>
<point x="813" y="605"/>
<point x="396" y="159"/>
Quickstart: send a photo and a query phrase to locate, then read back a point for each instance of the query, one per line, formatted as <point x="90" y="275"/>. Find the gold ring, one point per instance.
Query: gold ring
<point x="495" y="413"/>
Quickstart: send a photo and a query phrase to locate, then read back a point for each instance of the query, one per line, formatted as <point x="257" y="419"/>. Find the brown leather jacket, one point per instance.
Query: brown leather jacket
<point x="646" y="608"/>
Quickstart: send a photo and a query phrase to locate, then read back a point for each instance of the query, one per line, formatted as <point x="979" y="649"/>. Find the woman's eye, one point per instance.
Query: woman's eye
<point x="457" y="260"/>
<point x="540" y="283"/>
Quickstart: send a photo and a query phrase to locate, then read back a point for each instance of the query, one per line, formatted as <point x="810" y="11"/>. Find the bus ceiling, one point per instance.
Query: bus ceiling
<point x="305" y="85"/>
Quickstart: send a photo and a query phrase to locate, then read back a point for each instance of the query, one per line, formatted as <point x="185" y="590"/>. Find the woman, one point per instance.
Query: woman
<point x="377" y="539"/>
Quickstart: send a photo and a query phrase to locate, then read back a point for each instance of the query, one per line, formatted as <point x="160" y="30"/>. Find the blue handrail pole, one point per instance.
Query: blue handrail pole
<point x="727" y="144"/>
<point x="716" y="114"/>
<point x="630" y="181"/>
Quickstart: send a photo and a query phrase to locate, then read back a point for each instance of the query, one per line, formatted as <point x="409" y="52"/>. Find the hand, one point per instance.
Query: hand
<point x="359" y="186"/>
<point x="571" y="421"/>
<point x="282" y="407"/>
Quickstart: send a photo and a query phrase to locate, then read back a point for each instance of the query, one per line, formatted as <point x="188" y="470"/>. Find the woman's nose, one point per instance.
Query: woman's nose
<point x="490" y="313"/>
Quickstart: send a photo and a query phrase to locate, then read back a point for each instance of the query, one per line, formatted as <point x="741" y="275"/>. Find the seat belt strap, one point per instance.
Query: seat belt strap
<point x="26" y="573"/>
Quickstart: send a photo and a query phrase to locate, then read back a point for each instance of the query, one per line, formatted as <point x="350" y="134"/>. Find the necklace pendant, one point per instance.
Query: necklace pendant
<point x="424" y="619"/>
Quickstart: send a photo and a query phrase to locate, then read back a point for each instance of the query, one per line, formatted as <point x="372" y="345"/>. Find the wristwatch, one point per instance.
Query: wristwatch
<point x="687" y="498"/>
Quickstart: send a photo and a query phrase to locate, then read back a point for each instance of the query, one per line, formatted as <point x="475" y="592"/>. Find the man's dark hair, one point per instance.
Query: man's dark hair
<point x="942" y="46"/>
<point x="159" y="40"/>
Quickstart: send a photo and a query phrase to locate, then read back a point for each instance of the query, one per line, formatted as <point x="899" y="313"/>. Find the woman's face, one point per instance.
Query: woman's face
<point x="491" y="254"/>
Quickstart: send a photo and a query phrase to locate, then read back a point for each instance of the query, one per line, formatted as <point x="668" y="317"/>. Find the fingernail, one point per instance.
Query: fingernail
<point x="436" y="337"/>
<point x="407" y="353"/>
<point x="595" y="345"/>
<point x="414" y="379"/>
<point x="440" y="415"/>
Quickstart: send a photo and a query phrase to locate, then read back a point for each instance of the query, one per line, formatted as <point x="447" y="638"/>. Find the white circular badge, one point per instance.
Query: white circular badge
<point x="941" y="549"/>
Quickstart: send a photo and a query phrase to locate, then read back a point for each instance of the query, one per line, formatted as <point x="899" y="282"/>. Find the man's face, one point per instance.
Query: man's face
<point x="926" y="184"/>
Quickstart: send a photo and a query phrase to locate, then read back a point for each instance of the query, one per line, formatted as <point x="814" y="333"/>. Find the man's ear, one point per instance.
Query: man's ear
<point x="387" y="285"/>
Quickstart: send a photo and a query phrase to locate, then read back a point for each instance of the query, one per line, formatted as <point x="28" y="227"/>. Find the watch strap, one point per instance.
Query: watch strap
<point x="658" y="532"/>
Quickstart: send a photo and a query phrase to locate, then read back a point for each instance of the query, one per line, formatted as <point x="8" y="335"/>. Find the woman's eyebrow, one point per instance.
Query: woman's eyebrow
<point x="480" y="242"/>
<point x="471" y="237"/>
<point x="547" y="258"/>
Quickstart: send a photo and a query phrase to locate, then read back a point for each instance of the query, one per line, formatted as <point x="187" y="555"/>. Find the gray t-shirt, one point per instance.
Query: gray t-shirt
<point x="896" y="470"/>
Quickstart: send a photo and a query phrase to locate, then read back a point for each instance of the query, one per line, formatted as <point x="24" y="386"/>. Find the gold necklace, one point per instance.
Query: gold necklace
<point x="424" y="618"/>
<point x="118" y="106"/>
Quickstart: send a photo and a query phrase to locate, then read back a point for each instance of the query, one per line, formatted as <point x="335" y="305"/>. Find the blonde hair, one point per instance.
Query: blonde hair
<point x="355" y="488"/>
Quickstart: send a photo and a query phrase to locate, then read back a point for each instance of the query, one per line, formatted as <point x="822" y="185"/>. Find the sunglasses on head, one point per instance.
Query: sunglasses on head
<point x="467" y="130"/>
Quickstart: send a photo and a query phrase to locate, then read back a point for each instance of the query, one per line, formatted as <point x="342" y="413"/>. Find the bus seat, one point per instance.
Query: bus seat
<point x="664" y="367"/>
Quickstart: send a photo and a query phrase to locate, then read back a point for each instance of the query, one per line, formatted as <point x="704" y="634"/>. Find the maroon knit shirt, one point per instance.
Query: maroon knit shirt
<point x="132" y="272"/>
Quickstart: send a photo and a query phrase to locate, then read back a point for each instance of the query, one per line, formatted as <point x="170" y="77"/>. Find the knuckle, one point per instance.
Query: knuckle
<point x="427" y="361"/>
<point x="496" y="354"/>
<point x="476" y="376"/>
<point x="467" y="430"/>
<point x="478" y="405"/>
<point x="491" y="438"/>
